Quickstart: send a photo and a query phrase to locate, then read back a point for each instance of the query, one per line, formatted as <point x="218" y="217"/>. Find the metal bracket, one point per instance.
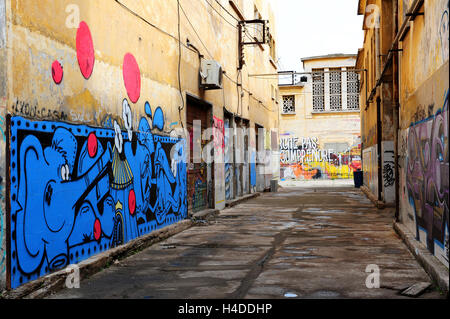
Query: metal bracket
<point x="415" y="14"/>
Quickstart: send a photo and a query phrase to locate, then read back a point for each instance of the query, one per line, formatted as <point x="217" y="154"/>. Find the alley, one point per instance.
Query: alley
<point x="299" y="242"/>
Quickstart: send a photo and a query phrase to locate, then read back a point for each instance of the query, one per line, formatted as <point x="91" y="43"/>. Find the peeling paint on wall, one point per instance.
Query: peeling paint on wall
<point x="370" y="164"/>
<point x="3" y="86"/>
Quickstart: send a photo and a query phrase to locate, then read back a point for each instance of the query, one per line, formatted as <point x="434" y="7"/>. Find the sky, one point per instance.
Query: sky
<point x="315" y="27"/>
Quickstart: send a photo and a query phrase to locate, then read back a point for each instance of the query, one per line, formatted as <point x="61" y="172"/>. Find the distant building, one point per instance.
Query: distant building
<point x="319" y="120"/>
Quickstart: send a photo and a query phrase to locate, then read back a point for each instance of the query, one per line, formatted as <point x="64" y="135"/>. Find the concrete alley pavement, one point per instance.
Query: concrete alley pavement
<point x="299" y="242"/>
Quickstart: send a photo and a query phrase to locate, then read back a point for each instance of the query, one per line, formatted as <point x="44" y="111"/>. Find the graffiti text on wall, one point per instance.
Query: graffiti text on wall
<point x="303" y="159"/>
<point x="427" y="180"/>
<point x="294" y="150"/>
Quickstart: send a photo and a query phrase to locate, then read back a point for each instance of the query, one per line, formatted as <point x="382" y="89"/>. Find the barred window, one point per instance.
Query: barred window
<point x="318" y="90"/>
<point x="352" y="90"/>
<point x="335" y="89"/>
<point x="288" y="104"/>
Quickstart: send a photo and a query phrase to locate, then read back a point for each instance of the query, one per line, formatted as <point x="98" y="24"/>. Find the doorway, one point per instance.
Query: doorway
<point x="200" y="174"/>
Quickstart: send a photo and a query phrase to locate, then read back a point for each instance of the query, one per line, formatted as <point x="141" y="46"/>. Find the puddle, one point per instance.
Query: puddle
<point x="302" y="252"/>
<point x="165" y="246"/>
<point x="285" y="210"/>
<point x="283" y="226"/>
<point x="302" y="257"/>
<point x="288" y="194"/>
<point x="318" y="211"/>
<point x="312" y="210"/>
<point x="290" y="295"/>
<point x="229" y="216"/>
<point x="326" y="293"/>
<point x="329" y="237"/>
<point x="392" y="251"/>
<point x="304" y="249"/>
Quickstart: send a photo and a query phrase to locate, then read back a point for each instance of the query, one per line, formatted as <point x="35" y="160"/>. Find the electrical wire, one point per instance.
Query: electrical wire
<point x="180" y="44"/>
<point x="180" y="108"/>
<point x="226" y="20"/>
<point x="189" y="21"/>
<point x="145" y="20"/>
<point x="231" y="15"/>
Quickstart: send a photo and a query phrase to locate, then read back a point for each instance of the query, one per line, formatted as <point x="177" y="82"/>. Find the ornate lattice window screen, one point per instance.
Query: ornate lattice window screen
<point x="335" y="89"/>
<point x="288" y="104"/>
<point x="318" y="90"/>
<point x="352" y="90"/>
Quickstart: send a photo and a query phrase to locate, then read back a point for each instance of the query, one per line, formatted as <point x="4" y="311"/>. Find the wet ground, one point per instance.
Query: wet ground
<point x="297" y="243"/>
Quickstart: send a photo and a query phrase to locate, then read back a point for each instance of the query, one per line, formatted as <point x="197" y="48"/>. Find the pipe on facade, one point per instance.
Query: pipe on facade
<point x="415" y="6"/>
<point x="395" y="117"/>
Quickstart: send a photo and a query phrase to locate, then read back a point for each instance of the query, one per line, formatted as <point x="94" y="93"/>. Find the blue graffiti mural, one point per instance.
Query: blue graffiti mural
<point x="253" y="169"/>
<point x="158" y="119"/>
<point x="77" y="190"/>
<point x="227" y="159"/>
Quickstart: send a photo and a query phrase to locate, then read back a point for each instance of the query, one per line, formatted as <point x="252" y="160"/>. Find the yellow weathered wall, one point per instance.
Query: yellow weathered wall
<point x="423" y="86"/>
<point x="423" y="132"/>
<point x="40" y="36"/>
<point x="38" y="33"/>
<point x="3" y="84"/>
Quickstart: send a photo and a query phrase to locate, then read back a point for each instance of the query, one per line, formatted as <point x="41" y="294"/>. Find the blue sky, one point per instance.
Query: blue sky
<point x="316" y="27"/>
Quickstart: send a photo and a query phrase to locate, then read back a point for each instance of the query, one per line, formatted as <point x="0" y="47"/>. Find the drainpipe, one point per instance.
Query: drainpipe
<point x="414" y="8"/>
<point x="396" y="106"/>
<point x="379" y="113"/>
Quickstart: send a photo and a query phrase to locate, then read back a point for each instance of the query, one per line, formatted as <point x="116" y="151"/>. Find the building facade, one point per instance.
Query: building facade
<point x="114" y="121"/>
<point x="319" y="120"/>
<point x="404" y="114"/>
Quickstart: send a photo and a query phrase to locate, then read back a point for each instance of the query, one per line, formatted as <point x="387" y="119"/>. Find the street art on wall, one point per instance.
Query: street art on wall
<point x="302" y="158"/>
<point x="85" y="50"/>
<point x="228" y="160"/>
<point x="427" y="181"/>
<point x="388" y="171"/>
<point x="78" y="190"/>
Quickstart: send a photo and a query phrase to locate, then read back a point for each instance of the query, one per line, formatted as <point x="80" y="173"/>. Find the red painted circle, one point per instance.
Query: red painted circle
<point x="132" y="77"/>
<point x="92" y="145"/>
<point x="97" y="229"/>
<point x="132" y="202"/>
<point x="57" y="72"/>
<point x="85" y="50"/>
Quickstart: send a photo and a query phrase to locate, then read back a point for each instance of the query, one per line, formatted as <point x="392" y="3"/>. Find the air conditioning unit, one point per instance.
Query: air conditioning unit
<point x="211" y="75"/>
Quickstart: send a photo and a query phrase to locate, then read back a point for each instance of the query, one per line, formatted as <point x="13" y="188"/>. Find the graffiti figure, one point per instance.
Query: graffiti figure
<point x="427" y="177"/>
<point x="49" y="199"/>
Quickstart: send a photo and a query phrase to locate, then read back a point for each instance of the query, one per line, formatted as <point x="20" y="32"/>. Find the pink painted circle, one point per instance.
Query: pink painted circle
<point x="92" y="145"/>
<point x="97" y="229"/>
<point x="85" y="50"/>
<point x="132" y="202"/>
<point x="57" y="72"/>
<point x="132" y="77"/>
